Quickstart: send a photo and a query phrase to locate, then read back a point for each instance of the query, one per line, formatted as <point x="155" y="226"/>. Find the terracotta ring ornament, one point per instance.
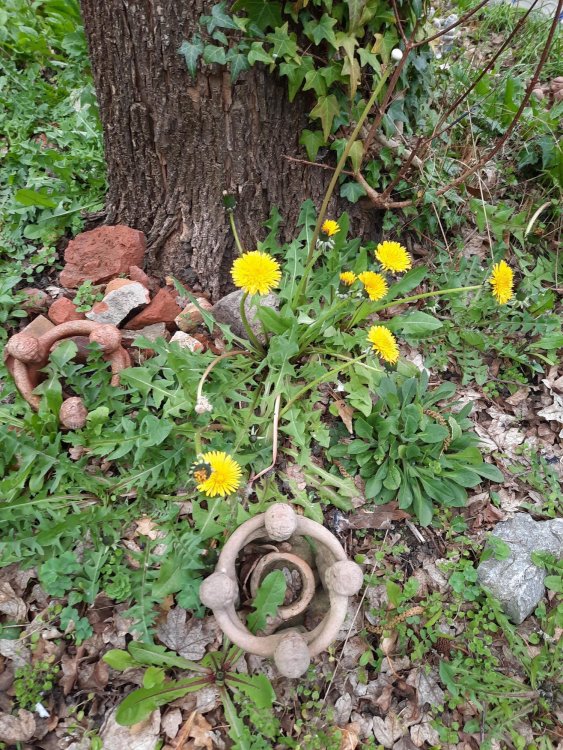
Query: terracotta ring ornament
<point x="292" y="648"/>
<point x="29" y="354"/>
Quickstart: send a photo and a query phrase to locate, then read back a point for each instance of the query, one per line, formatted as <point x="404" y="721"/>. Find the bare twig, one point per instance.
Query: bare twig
<point x="274" y="444"/>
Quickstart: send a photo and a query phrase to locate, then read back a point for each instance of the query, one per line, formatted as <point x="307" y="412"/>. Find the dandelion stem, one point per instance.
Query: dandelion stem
<point x="235" y="233"/>
<point x="212" y="364"/>
<point x="249" y="332"/>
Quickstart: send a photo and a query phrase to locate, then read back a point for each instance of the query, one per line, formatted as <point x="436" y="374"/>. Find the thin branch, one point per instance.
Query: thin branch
<point x="463" y="19"/>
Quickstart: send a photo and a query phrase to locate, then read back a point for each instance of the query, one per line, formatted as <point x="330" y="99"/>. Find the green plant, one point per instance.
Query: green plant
<point x="33" y="681"/>
<point x="217" y="668"/>
<point x="86" y="296"/>
<point x="406" y="449"/>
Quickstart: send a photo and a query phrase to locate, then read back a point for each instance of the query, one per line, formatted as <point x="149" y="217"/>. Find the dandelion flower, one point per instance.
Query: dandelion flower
<point x="256" y="272"/>
<point x="216" y="473"/>
<point x="348" y="278"/>
<point x="502" y="279"/>
<point x="375" y="285"/>
<point x="330" y="227"/>
<point x="393" y="257"/>
<point x="384" y="343"/>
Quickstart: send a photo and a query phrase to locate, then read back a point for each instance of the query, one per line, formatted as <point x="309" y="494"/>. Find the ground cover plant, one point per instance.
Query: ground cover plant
<point x="405" y="391"/>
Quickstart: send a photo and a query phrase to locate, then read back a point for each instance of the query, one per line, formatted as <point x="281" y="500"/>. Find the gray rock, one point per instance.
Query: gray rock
<point x="151" y="333"/>
<point x="227" y="310"/>
<point x="186" y="341"/>
<point x="119" y="303"/>
<point x="516" y="582"/>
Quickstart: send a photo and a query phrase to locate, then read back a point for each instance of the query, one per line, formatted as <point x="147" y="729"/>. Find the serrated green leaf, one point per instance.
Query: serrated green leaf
<point x="35" y="198"/>
<point x="269" y="597"/>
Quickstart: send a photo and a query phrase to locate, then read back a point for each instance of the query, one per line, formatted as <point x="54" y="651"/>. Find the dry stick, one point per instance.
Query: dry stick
<point x="422" y="141"/>
<point x="274" y="443"/>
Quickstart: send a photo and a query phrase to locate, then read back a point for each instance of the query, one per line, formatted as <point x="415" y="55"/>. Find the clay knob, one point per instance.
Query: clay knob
<point x="24" y="347"/>
<point x="344" y="577"/>
<point x="73" y="413"/>
<point x="280" y="522"/>
<point x="291" y="656"/>
<point x="218" y="591"/>
<point x="108" y="338"/>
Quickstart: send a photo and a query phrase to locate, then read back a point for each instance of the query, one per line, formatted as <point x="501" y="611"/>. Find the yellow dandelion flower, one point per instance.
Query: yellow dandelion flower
<point x="217" y="474"/>
<point x="375" y="285"/>
<point x="393" y="257"/>
<point x="384" y="343"/>
<point x="502" y="280"/>
<point x="348" y="278"/>
<point x="256" y="272"/>
<point x="330" y="227"/>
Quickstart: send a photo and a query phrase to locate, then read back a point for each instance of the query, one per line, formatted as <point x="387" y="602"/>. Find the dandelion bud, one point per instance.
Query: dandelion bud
<point x="203" y="404"/>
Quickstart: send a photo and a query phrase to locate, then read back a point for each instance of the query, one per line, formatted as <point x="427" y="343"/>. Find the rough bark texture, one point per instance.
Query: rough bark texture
<point x="174" y="144"/>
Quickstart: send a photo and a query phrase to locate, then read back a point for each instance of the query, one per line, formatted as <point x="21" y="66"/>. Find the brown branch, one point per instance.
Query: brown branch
<point x="400" y="23"/>
<point x="315" y="164"/>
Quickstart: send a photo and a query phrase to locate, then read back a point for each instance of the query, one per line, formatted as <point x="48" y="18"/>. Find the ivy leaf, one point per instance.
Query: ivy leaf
<point x="262" y="13"/>
<point x="326" y="110"/>
<point x="258" y="54"/>
<point x="222" y="18"/>
<point x="269" y="597"/>
<point x="192" y="52"/>
<point x="312" y="140"/>
<point x="213" y="54"/>
<point x="295" y="73"/>
<point x="316" y="81"/>
<point x="285" y="45"/>
<point x="239" y="63"/>
<point x="356" y="153"/>
<point x="352" y="191"/>
<point x="319" y="30"/>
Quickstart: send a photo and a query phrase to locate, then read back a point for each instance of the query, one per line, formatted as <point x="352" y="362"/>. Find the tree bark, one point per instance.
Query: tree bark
<point x="174" y="145"/>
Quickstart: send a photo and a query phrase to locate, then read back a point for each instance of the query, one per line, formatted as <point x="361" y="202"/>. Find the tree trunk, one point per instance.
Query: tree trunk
<point x="174" y="145"/>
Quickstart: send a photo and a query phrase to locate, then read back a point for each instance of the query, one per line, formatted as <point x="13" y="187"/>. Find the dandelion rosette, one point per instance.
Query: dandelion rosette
<point x="348" y="278"/>
<point x="374" y="284"/>
<point x="393" y="257"/>
<point x="217" y="474"/>
<point x="384" y="343"/>
<point x="256" y="272"/>
<point x="502" y="280"/>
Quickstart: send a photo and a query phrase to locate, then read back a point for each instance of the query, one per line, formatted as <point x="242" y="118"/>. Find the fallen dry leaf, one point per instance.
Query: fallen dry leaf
<point x="346" y="414"/>
<point x="20" y="728"/>
<point x="201" y="733"/>
<point x="171" y="723"/>
<point x="379" y="518"/>
<point x="147" y="527"/>
<point x="189" y="639"/>
<point x="10" y="604"/>
<point x="350" y="737"/>
<point x="387" y="731"/>
<point x="141" y="736"/>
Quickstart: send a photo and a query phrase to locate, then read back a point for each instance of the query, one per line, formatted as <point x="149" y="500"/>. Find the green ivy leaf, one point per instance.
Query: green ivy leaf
<point x="213" y="54"/>
<point x="295" y="73"/>
<point x="285" y="44"/>
<point x="326" y="110"/>
<point x="262" y="13"/>
<point x="352" y="191"/>
<point x="222" y="18"/>
<point x="239" y="63"/>
<point x="192" y="51"/>
<point x="317" y="30"/>
<point x="258" y="54"/>
<point x="312" y="140"/>
<point x="316" y="81"/>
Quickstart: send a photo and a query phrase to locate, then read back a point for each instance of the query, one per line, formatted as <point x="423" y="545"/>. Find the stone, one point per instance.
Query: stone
<point x="101" y="254"/>
<point x="151" y="333"/>
<point x="186" y="341"/>
<point x="163" y="309"/>
<point x="227" y="310"/>
<point x="64" y="310"/>
<point x="516" y="582"/>
<point x="38" y="326"/>
<point x="137" y="274"/>
<point x="36" y="300"/>
<point x="117" y="284"/>
<point x="120" y="303"/>
<point x="191" y="317"/>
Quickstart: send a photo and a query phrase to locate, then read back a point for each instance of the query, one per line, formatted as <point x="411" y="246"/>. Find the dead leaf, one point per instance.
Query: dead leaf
<point x="141" y="736"/>
<point x="147" y="527"/>
<point x="350" y="737"/>
<point x="379" y="518"/>
<point x="16" y="651"/>
<point x="171" y="722"/>
<point x="69" y="666"/>
<point x="555" y="411"/>
<point x="387" y="731"/>
<point x="94" y="676"/>
<point x="188" y="639"/>
<point x="424" y="732"/>
<point x="10" y="604"/>
<point x="201" y="733"/>
<point x="346" y="414"/>
<point x="20" y="728"/>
